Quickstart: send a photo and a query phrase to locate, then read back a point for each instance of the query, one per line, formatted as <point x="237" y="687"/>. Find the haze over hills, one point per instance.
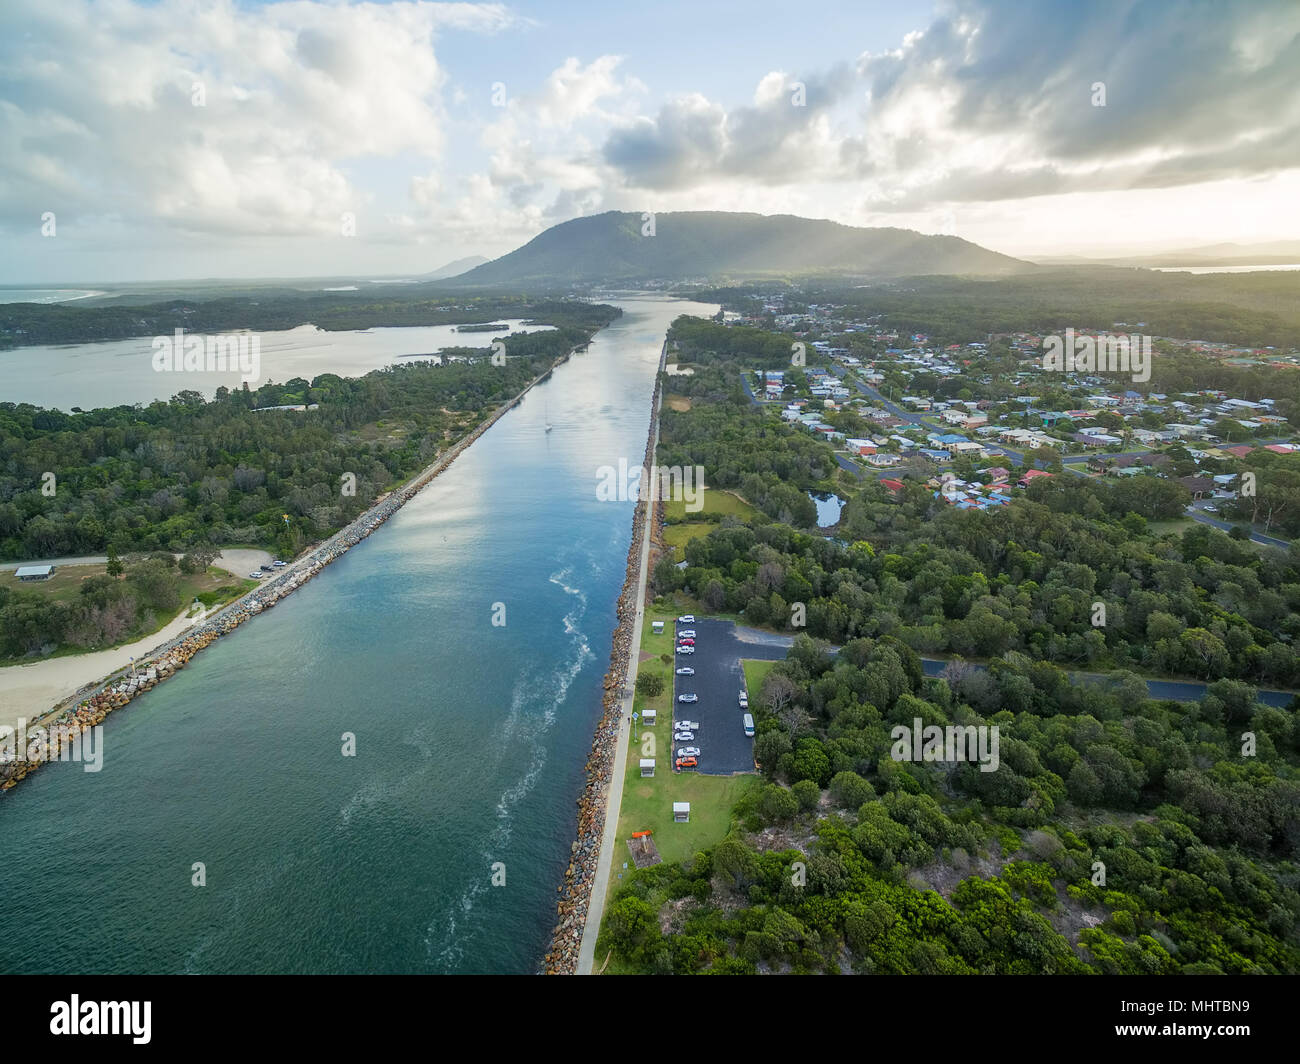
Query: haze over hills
<point x="719" y="245"/>
<point x="455" y="267"/>
<point x="1270" y="253"/>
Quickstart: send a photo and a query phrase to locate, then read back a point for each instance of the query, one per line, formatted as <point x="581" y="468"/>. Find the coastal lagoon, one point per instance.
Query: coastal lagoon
<point x="118" y="372"/>
<point x="471" y="738"/>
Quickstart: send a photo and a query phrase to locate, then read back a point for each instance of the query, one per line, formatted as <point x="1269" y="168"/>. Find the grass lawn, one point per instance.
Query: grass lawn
<point x="755" y="673"/>
<point x="717" y="503"/>
<point x="647" y="804"/>
<point x="213" y="588"/>
<point x="677" y="536"/>
<point x="1176" y="524"/>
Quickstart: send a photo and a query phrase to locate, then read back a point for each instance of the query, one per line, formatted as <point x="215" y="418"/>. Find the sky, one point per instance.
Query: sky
<point x="172" y="139"/>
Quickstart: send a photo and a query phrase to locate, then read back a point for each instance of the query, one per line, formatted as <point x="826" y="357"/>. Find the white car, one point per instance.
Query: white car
<point x="688" y="751"/>
<point x="685" y="725"/>
<point x="683" y="737"/>
<point x="688" y="618"/>
<point x="744" y="700"/>
<point x="686" y="633"/>
<point x="1210" y="509"/>
<point x="685" y="670"/>
<point x="257" y="574"/>
<point x="686" y="650"/>
<point x="277" y="564"/>
<point x="688" y="698"/>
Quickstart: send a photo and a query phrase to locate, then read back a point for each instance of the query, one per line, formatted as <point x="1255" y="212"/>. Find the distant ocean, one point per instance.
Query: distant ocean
<point x="1226" y="269"/>
<point x="45" y="295"/>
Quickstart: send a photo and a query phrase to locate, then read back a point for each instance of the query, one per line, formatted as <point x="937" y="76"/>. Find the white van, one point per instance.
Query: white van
<point x="748" y="721"/>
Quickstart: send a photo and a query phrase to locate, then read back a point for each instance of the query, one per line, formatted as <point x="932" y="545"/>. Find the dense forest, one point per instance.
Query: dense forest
<point x="172" y="475"/>
<point x="56" y="323"/>
<point x="1251" y="309"/>
<point x="1119" y="834"/>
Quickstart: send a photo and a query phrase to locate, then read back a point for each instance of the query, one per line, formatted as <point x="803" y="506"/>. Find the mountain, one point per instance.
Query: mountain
<point x="454" y="269"/>
<point x="716" y="245"/>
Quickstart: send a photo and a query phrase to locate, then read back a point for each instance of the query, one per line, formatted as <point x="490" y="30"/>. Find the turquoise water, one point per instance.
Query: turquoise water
<point x="471" y="738"/>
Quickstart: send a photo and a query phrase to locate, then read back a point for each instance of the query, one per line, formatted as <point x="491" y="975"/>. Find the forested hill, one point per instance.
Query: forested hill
<point x="618" y="246"/>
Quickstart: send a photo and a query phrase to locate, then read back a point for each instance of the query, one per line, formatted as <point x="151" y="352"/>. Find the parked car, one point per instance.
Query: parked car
<point x="689" y="697"/>
<point x="747" y="722"/>
<point x="685" y="670"/>
<point x="1210" y="509"/>
<point x="277" y="564"/>
<point x="687" y="762"/>
<point x="256" y="574"/>
<point x="686" y="650"/>
<point x="686" y="633"/>
<point x="686" y="643"/>
<point x="686" y="725"/>
<point x="688" y="751"/>
<point x="688" y="618"/>
<point x="744" y="699"/>
<point x="683" y="737"/>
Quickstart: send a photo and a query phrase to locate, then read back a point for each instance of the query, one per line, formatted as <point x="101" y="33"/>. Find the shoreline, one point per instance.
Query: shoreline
<point x="573" y="939"/>
<point x="91" y="703"/>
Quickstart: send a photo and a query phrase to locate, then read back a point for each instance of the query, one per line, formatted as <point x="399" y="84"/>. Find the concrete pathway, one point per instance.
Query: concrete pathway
<point x="614" y="799"/>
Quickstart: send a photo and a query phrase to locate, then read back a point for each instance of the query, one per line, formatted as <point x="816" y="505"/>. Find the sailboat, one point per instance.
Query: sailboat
<point x="547" y="416"/>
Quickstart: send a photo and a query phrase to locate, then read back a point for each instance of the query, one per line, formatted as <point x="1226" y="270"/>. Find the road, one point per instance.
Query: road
<point x="1197" y="514"/>
<point x="236" y="560"/>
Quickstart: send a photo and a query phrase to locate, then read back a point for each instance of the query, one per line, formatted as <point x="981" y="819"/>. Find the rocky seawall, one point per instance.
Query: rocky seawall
<point x="584" y="854"/>
<point x="86" y="709"/>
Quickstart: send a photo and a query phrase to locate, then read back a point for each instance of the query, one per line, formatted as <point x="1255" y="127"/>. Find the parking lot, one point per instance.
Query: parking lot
<point x="718" y="680"/>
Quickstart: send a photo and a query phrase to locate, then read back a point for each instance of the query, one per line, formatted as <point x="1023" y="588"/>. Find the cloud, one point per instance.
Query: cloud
<point x="98" y="114"/>
<point x="995" y="100"/>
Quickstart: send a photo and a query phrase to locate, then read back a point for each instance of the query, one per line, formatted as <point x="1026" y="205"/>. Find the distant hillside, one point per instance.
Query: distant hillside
<point x="454" y="269"/>
<point x="1273" y="253"/>
<point x="717" y="245"/>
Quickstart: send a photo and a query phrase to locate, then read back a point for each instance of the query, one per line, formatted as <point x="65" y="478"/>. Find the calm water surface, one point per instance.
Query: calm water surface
<point x="471" y="738"/>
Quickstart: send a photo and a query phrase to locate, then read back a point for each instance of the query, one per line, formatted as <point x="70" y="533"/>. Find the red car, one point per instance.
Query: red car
<point x="686" y="642"/>
<point x="687" y="762"/>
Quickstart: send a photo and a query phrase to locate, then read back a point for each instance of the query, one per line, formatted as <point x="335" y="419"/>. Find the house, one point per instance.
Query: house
<point x="1198" y="486"/>
<point x="35" y="572"/>
<point x="883" y="461"/>
<point x="1031" y="475"/>
<point x="861" y="447"/>
<point x="1240" y="451"/>
<point x="893" y="485"/>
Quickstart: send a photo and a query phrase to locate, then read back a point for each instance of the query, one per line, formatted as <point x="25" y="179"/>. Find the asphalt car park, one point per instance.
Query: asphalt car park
<point x="718" y="680"/>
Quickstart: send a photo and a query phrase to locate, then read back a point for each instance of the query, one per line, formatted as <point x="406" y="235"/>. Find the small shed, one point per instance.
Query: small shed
<point x="682" y="812"/>
<point x="35" y="572"/>
<point x="647" y="766"/>
<point x="649" y="717"/>
<point x="657" y="627"/>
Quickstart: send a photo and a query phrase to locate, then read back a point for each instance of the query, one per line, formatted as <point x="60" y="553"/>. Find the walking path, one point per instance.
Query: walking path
<point x="614" y="799"/>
